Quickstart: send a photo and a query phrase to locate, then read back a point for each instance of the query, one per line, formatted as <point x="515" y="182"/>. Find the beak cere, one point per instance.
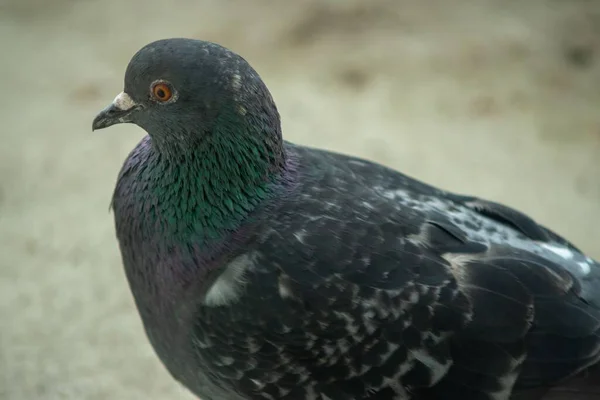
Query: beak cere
<point x="117" y="112"/>
<point x="123" y="102"/>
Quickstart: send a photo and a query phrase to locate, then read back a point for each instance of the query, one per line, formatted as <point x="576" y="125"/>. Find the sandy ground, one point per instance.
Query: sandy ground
<point x="495" y="98"/>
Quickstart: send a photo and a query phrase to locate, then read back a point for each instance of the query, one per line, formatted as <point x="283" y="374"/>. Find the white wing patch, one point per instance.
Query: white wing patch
<point x="585" y="267"/>
<point x="507" y="383"/>
<point x="559" y="251"/>
<point x="437" y="369"/>
<point x="300" y="235"/>
<point x="228" y="287"/>
<point x="579" y="264"/>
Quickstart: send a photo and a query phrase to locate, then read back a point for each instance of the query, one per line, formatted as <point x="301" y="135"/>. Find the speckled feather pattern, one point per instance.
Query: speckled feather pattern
<point x="358" y="282"/>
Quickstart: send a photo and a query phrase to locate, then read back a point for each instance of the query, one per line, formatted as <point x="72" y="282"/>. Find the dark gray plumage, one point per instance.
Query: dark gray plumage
<point x="266" y="270"/>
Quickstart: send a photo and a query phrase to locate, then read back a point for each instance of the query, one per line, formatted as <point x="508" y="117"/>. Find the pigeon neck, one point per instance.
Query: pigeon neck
<point x="211" y="187"/>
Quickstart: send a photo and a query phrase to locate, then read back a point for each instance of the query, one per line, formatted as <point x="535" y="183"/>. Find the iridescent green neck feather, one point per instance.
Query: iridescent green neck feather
<point x="207" y="184"/>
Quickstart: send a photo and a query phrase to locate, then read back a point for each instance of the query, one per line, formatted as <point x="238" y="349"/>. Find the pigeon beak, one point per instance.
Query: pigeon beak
<point x="117" y="112"/>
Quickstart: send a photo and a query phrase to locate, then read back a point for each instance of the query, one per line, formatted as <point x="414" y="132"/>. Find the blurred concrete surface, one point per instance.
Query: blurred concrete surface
<point x="497" y="98"/>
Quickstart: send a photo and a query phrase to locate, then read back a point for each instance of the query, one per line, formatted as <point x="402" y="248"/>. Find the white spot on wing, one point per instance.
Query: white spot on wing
<point x="203" y="343"/>
<point x="458" y="263"/>
<point x="585" y="267"/>
<point x="437" y="369"/>
<point x="259" y="384"/>
<point x="228" y="286"/>
<point x="506" y="382"/>
<point x="284" y="286"/>
<point x="392" y="194"/>
<point x="560" y="251"/>
<point x="413" y="297"/>
<point x="224" y="361"/>
<point x="299" y="235"/>
<point x="368" y="205"/>
<point x="396" y="386"/>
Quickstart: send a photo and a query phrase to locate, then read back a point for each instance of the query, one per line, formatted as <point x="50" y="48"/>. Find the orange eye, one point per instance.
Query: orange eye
<point x="162" y="92"/>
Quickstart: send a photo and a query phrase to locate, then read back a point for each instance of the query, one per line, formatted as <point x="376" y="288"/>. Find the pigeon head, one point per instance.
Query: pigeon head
<point x="190" y="95"/>
<point x="214" y="151"/>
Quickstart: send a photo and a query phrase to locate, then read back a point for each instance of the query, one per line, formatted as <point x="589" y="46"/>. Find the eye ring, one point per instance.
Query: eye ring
<point x="162" y="91"/>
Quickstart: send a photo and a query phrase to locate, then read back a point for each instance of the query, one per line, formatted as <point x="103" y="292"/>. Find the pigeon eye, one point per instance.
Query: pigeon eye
<point x="162" y="92"/>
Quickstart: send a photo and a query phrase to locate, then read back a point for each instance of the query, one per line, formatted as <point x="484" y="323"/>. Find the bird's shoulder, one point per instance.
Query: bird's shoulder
<point x="352" y="181"/>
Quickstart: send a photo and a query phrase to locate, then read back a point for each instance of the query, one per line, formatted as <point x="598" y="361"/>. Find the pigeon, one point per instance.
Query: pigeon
<point x="263" y="269"/>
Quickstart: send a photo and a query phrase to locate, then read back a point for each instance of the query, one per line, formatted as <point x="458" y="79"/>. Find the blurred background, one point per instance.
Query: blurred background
<point x="497" y="98"/>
